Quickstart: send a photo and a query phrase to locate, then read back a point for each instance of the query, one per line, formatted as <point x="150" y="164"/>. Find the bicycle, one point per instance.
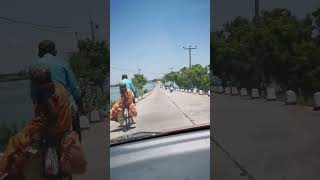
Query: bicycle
<point x="127" y="119"/>
<point x="37" y="152"/>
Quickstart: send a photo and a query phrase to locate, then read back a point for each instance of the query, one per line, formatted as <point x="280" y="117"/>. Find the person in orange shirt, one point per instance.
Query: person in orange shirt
<point x="125" y="101"/>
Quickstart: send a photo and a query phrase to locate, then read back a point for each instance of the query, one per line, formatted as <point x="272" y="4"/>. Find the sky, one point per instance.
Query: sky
<point x="150" y="34"/>
<point x="18" y="45"/>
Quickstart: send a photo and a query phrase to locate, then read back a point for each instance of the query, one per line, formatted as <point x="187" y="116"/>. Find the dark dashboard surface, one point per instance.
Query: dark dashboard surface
<point x="184" y="156"/>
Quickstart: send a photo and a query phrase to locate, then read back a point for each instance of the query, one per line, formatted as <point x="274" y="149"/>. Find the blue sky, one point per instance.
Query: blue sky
<point x="150" y="34"/>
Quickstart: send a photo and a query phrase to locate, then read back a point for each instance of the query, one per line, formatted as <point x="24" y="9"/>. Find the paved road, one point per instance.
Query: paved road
<point x="273" y="141"/>
<point x="95" y="147"/>
<point x="162" y="110"/>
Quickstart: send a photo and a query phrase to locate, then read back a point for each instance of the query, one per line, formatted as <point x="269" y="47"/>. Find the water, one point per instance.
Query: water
<point x="15" y="103"/>
<point x="115" y="94"/>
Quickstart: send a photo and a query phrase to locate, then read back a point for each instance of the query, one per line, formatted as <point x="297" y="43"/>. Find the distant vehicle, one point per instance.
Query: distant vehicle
<point x="151" y="155"/>
<point x="171" y="89"/>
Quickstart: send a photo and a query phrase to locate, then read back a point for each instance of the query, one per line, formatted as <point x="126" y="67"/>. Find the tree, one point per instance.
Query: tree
<point x="90" y="64"/>
<point x="277" y="47"/>
<point x="187" y="78"/>
<point x="139" y="81"/>
<point x="91" y="61"/>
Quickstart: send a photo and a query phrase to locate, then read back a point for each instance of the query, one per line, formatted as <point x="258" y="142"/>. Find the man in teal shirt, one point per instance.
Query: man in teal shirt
<point x="129" y="85"/>
<point x="62" y="73"/>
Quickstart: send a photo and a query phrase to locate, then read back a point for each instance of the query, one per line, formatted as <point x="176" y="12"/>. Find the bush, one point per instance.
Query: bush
<point x="145" y="91"/>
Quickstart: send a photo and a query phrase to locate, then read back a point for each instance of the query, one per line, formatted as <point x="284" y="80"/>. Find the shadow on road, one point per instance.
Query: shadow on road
<point x="121" y="129"/>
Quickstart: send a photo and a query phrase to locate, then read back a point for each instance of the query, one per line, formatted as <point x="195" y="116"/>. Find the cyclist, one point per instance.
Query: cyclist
<point x="126" y="100"/>
<point x="130" y="86"/>
<point x="62" y="73"/>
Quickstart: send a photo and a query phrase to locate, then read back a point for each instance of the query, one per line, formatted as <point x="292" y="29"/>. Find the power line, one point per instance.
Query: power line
<point x="43" y="28"/>
<point x="33" y="24"/>
<point x="122" y="69"/>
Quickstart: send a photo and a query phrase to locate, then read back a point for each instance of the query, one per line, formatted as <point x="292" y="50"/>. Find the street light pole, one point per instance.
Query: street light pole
<point x="189" y="48"/>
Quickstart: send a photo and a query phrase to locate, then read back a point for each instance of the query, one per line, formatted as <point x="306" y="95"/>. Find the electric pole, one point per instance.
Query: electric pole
<point x="77" y="37"/>
<point x="171" y="68"/>
<point x="189" y="48"/>
<point x="256" y="9"/>
<point x="92" y="27"/>
<point x="139" y="70"/>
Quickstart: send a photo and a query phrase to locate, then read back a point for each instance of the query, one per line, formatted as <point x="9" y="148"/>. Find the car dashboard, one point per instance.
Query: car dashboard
<point x="183" y="156"/>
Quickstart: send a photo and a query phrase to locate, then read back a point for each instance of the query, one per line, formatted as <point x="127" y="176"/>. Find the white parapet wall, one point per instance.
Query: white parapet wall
<point x="243" y="92"/>
<point x="227" y="91"/>
<point x="84" y="122"/>
<point x="234" y="91"/>
<point x="291" y="97"/>
<point x="316" y="101"/>
<point x="95" y="116"/>
<point x="255" y="93"/>
<point x="194" y="91"/>
<point x="220" y="89"/>
<point x="271" y="94"/>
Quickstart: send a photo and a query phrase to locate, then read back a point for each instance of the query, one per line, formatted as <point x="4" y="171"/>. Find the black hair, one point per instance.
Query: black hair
<point x="124" y="76"/>
<point x="47" y="47"/>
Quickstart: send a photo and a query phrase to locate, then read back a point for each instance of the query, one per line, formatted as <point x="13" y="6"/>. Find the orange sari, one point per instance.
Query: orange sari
<point x="15" y="154"/>
<point x="125" y="99"/>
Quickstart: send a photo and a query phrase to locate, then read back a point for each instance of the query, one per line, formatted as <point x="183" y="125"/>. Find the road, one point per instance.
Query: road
<point x="162" y="110"/>
<point x="271" y="140"/>
<point x="94" y="143"/>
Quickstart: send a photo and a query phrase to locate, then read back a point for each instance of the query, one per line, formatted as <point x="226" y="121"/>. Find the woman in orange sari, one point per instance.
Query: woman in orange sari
<point x="51" y="118"/>
<point x="126" y="100"/>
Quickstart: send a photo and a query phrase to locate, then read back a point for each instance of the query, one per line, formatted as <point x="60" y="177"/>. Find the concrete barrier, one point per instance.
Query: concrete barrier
<point x="84" y="122"/>
<point x="94" y="116"/>
<point x="271" y="94"/>
<point x="255" y="93"/>
<point x="234" y="91"/>
<point x="291" y="97"/>
<point x="243" y="92"/>
<point x="215" y="89"/>
<point x="200" y="92"/>
<point x="220" y="89"/>
<point x="227" y="91"/>
<point x="194" y="91"/>
<point x="316" y="101"/>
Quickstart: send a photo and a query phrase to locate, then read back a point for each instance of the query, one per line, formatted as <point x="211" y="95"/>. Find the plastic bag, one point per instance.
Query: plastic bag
<point x="72" y="156"/>
<point x="51" y="162"/>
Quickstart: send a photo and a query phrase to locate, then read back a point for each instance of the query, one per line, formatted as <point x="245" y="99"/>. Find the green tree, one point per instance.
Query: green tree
<point x="139" y="81"/>
<point x="90" y="64"/>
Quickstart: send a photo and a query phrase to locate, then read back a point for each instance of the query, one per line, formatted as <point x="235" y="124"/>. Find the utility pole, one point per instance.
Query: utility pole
<point x="139" y="70"/>
<point x="77" y="37"/>
<point x="256" y="9"/>
<point x="171" y="68"/>
<point x="92" y="27"/>
<point x="189" y="48"/>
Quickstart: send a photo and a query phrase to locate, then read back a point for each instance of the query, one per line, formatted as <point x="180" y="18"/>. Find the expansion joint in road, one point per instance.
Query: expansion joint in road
<point x="243" y="169"/>
<point x="189" y="118"/>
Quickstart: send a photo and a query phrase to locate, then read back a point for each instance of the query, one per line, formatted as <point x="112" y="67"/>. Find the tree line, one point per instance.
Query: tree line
<point x="187" y="78"/>
<point x="276" y="47"/>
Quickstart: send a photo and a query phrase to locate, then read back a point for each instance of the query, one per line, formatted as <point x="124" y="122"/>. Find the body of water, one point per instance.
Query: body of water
<point x="115" y="94"/>
<point x="15" y="102"/>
